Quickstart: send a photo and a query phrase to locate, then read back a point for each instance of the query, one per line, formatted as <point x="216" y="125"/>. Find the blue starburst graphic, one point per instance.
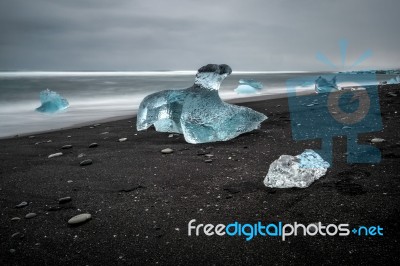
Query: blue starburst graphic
<point x="343" y="44"/>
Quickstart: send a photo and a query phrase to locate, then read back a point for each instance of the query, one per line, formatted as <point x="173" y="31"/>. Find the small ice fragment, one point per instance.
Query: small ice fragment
<point x="251" y="82"/>
<point x="322" y="85"/>
<point x="395" y="80"/>
<point x="246" y="89"/>
<point x="248" y="86"/>
<point x="52" y="102"/>
<point x="377" y="140"/>
<point x="296" y="171"/>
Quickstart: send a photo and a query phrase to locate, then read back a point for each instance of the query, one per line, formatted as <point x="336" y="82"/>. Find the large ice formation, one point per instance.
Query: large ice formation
<point x="323" y="85"/>
<point x="249" y="86"/>
<point x="52" y="102"/>
<point x="198" y="112"/>
<point x="296" y="171"/>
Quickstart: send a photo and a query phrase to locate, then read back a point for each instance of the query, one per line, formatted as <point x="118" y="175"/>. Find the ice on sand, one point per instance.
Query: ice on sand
<point x="198" y="112"/>
<point x="52" y="102"/>
<point x="249" y="86"/>
<point x="395" y="80"/>
<point x="296" y="171"/>
<point x="323" y="85"/>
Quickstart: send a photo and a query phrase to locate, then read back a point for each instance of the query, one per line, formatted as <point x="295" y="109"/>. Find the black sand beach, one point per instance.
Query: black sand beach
<point x="142" y="200"/>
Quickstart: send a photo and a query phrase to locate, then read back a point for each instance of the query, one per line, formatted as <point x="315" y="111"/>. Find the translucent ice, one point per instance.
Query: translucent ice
<point x="323" y="85"/>
<point x="395" y="80"/>
<point x="251" y="82"/>
<point x="246" y="89"/>
<point x="52" y="102"/>
<point x="296" y="171"/>
<point x="198" y="112"/>
<point x="249" y="86"/>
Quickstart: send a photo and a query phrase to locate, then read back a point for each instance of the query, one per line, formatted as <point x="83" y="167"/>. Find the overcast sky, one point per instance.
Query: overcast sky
<point x="184" y="35"/>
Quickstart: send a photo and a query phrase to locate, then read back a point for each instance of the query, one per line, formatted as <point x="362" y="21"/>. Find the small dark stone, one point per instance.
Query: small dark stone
<point x="131" y="189"/>
<point x="21" y="205"/>
<point x="86" y="162"/>
<point x="30" y="215"/>
<point x="93" y="145"/>
<point x="66" y="147"/>
<point x="64" y="200"/>
<point x="53" y="208"/>
<point x="201" y="152"/>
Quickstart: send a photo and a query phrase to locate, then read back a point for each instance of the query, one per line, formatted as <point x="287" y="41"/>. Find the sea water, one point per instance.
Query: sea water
<point x="95" y="96"/>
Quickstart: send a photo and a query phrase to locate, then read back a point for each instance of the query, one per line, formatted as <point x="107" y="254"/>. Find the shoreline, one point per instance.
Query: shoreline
<point x="239" y="100"/>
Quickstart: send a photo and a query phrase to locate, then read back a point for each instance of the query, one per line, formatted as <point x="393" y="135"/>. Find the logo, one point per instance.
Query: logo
<point x="346" y="110"/>
<point x="279" y="229"/>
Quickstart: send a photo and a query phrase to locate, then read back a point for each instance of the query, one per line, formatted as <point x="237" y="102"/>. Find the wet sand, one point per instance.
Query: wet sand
<point x="142" y="200"/>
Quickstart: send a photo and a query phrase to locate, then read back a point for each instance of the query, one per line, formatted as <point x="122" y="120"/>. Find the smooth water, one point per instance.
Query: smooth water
<point x="95" y="96"/>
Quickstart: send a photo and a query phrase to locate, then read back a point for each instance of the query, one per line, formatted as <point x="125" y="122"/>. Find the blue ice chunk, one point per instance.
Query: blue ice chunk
<point x="296" y="171"/>
<point x="198" y="112"/>
<point x="248" y="86"/>
<point x="52" y="102"/>
<point x="395" y="80"/>
<point x="323" y="85"/>
<point x="251" y="82"/>
<point x="246" y="89"/>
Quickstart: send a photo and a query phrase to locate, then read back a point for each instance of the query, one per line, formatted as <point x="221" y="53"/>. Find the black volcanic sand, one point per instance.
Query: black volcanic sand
<point x="142" y="200"/>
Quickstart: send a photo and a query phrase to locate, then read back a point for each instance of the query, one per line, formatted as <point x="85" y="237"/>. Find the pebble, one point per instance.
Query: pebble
<point x="377" y="140"/>
<point x="15" y="234"/>
<point x="12" y="250"/>
<point x="31" y="137"/>
<point x="167" y="151"/>
<point x="209" y="155"/>
<point x="64" y="200"/>
<point x="30" y="215"/>
<point x="104" y="133"/>
<point x="86" y="162"/>
<point x="201" y="152"/>
<point x="55" y="154"/>
<point x="392" y="94"/>
<point x="81" y="155"/>
<point x="80" y="218"/>
<point x="170" y="135"/>
<point x="208" y="161"/>
<point x="66" y="147"/>
<point x="22" y="204"/>
<point x="93" y="145"/>
<point x="15" y="219"/>
<point x="122" y="139"/>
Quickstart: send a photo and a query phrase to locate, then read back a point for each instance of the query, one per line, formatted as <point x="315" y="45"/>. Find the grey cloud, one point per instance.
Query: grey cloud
<point x="152" y="35"/>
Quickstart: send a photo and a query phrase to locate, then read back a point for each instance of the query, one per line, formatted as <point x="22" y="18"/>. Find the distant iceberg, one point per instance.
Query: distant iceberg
<point x="323" y="85"/>
<point x="52" y="102"/>
<point x="249" y="86"/>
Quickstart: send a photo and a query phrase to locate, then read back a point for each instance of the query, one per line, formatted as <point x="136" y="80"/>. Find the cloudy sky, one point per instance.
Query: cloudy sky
<point x="184" y="35"/>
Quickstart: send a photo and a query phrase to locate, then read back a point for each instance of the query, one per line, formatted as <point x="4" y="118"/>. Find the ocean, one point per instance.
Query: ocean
<point x="95" y="96"/>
